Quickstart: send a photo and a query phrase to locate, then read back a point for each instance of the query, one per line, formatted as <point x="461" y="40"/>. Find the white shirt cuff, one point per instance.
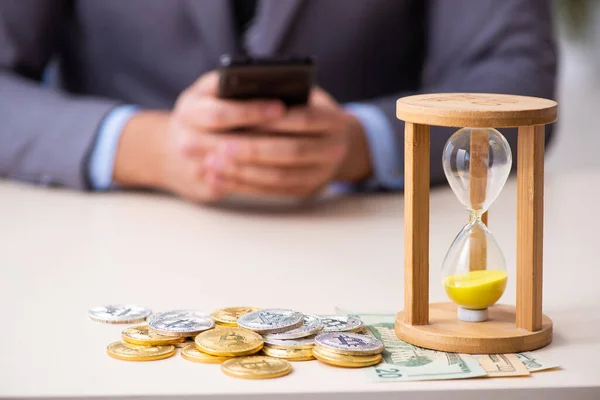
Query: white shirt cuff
<point x="387" y="163"/>
<point x="102" y="158"/>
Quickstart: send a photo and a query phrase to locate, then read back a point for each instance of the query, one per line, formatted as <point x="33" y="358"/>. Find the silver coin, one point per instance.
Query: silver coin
<point x="349" y="343"/>
<point x="271" y="320"/>
<point x="181" y="322"/>
<point x="340" y="323"/>
<point x="364" y="331"/>
<point x="174" y="314"/>
<point x="180" y="314"/>
<point x="120" y="313"/>
<point x="311" y="324"/>
<point x="289" y="343"/>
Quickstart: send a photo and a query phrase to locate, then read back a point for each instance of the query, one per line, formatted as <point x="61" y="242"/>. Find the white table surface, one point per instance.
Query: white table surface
<point x="63" y="252"/>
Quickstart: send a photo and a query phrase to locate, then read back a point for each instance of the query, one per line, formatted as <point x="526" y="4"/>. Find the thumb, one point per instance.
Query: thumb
<point x="207" y="84"/>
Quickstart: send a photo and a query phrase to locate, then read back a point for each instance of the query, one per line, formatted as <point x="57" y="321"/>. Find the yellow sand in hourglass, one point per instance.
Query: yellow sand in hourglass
<point x="476" y="289"/>
<point x="476" y="162"/>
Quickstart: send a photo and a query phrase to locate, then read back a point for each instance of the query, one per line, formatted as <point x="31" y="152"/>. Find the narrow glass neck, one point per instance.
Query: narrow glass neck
<point x="475" y="215"/>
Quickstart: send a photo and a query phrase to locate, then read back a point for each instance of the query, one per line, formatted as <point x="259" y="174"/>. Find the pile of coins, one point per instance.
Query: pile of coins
<point x="233" y="337"/>
<point x="349" y="350"/>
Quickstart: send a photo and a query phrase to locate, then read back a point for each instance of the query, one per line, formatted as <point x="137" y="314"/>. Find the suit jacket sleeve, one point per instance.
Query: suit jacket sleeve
<point x="482" y="46"/>
<point x="45" y="134"/>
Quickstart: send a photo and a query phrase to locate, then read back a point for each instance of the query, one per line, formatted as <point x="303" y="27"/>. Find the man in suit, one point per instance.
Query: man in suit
<point x="135" y="101"/>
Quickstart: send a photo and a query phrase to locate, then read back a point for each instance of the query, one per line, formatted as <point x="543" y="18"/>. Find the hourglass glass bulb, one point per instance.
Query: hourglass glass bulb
<point x="477" y="162"/>
<point x="474" y="270"/>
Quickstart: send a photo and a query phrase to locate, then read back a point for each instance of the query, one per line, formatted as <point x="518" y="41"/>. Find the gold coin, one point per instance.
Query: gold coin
<point x="289" y="354"/>
<point x="302" y="348"/>
<point x="342" y="355"/>
<point x="229" y="341"/>
<point x="256" y="367"/>
<point x="229" y="316"/>
<point x="131" y="352"/>
<point x="346" y="361"/>
<point x="143" y="336"/>
<point x="305" y="343"/>
<point x="191" y="353"/>
<point x="188" y="341"/>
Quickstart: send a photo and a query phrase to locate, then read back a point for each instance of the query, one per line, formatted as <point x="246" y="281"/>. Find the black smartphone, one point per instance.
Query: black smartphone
<point x="287" y="78"/>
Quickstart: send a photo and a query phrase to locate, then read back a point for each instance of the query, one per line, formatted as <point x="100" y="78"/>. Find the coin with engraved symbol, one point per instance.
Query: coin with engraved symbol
<point x="229" y="341"/>
<point x="271" y="320"/>
<point x="302" y="343"/>
<point x="229" y="316"/>
<point x="181" y="322"/>
<point x="120" y="313"/>
<point x="180" y="314"/>
<point x="348" y="343"/>
<point x="289" y="354"/>
<point x="311" y="325"/>
<point x="131" y="352"/>
<point x="347" y="361"/>
<point x="256" y="367"/>
<point x="191" y="353"/>
<point x="143" y="336"/>
<point x="340" y="323"/>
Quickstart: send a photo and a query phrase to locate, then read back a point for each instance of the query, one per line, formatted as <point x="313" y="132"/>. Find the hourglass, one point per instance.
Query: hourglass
<point x="477" y="162"/>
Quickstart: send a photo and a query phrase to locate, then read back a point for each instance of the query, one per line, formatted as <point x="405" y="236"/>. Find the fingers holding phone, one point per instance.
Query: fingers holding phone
<point x="166" y="149"/>
<point x="295" y="155"/>
<point x="200" y="108"/>
<point x="235" y="125"/>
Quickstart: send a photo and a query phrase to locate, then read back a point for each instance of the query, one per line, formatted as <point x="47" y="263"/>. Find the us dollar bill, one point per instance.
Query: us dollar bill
<point x="404" y="362"/>
<point x="501" y="365"/>
<point x="534" y="363"/>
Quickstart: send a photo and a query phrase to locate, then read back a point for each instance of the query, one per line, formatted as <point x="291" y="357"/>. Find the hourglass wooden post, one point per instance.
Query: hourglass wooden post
<point x="508" y="329"/>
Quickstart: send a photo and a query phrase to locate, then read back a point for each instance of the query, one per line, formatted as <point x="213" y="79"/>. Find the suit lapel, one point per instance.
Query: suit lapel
<point x="215" y="21"/>
<point x="273" y="18"/>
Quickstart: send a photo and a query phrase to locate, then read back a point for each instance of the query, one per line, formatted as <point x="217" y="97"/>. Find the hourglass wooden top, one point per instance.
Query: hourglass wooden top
<point x="476" y="110"/>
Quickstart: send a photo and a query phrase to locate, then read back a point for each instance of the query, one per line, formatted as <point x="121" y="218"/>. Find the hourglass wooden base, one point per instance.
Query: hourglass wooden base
<point x="509" y="329"/>
<point x="497" y="335"/>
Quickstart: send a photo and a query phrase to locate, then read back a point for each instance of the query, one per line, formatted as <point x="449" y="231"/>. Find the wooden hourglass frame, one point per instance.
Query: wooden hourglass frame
<point x="436" y="326"/>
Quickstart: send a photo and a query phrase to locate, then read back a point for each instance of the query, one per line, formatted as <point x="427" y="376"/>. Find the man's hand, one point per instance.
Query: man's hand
<point x="295" y="155"/>
<point x="154" y="149"/>
<point x="198" y="151"/>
